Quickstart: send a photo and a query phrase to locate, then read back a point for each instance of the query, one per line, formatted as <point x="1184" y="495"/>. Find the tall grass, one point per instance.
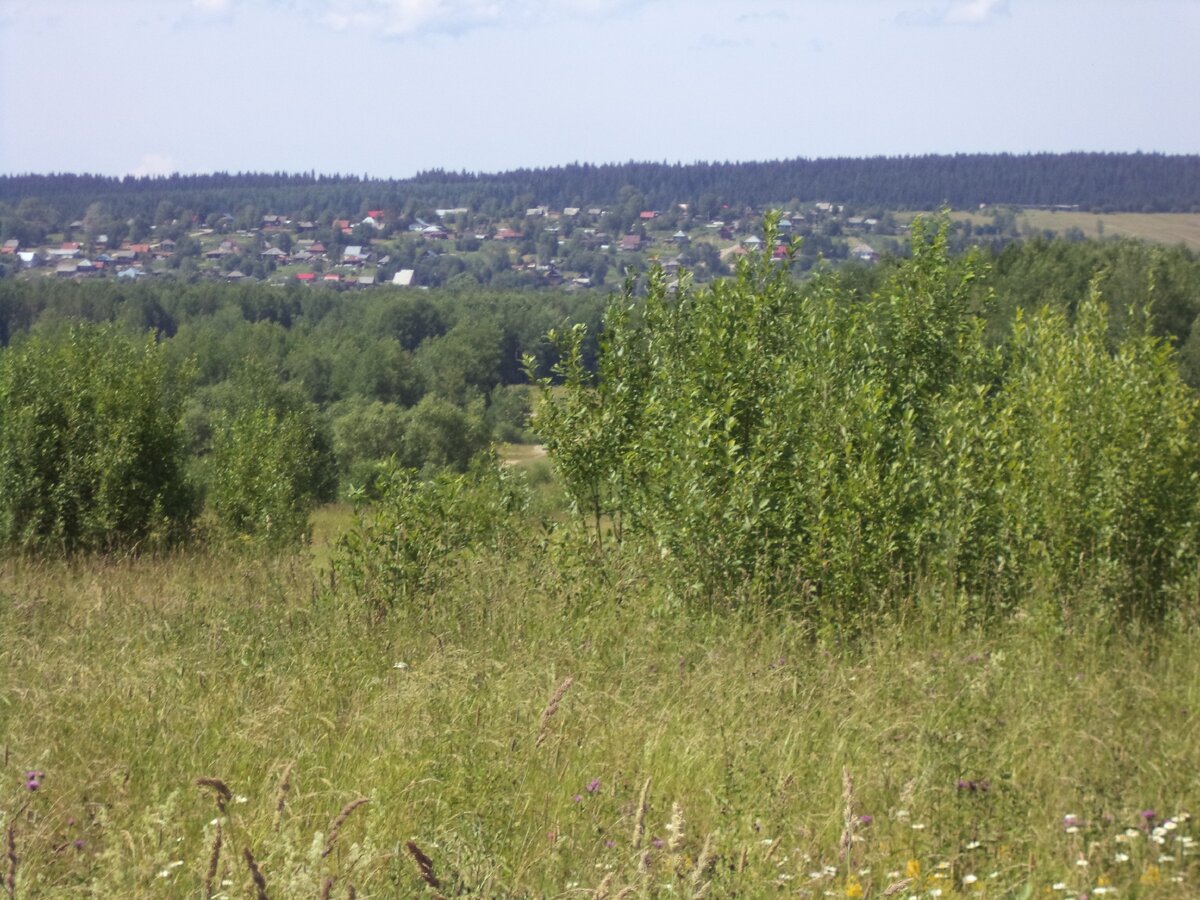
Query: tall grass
<point x="688" y="752"/>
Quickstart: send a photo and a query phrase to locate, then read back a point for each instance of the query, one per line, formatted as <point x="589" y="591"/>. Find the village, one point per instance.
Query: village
<point x="576" y="248"/>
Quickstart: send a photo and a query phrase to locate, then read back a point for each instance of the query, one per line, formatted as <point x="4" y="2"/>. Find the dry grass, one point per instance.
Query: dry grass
<point x="1160" y="228"/>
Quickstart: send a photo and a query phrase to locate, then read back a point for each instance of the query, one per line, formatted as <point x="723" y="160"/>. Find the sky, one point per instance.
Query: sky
<point x="389" y="88"/>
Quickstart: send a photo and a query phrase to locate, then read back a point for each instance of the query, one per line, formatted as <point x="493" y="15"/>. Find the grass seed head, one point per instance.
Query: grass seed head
<point x="223" y="794"/>
<point x="552" y="708"/>
<point x="335" y="826"/>
<point x="424" y="864"/>
<point x="639" y="822"/>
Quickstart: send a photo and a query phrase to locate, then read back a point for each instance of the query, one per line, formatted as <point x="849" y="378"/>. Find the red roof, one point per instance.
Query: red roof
<point x="305" y="276"/>
<point x="70" y="245"/>
<point x="375" y="213"/>
<point x="649" y="214"/>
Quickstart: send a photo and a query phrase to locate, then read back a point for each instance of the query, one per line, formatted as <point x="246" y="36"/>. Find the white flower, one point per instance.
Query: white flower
<point x="974" y="845"/>
<point x="400" y="665"/>
<point x="1058" y="886"/>
<point x="240" y="799"/>
<point x="969" y="879"/>
<point x="1121" y="857"/>
<point x="1081" y="862"/>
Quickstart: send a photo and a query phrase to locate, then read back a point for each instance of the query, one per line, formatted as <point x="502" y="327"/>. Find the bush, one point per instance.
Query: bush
<point x="91" y="448"/>
<point x="271" y="461"/>
<point x="837" y="452"/>
<point x="401" y="542"/>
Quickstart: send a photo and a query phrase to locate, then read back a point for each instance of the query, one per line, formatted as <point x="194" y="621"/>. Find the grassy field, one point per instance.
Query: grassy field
<point x="552" y="724"/>
<point x="1162" y="228"/>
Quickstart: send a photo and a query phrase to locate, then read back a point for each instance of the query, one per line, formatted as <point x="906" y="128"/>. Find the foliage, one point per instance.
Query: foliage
<point x="401" y="543"/>
<point x="91" y="448"/>
<point x="271" y="461"/>
<point x="839" y="453"/>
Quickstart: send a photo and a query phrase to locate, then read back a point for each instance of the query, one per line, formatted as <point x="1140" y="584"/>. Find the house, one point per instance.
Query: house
<point x="131" y="274"/>
<point x="570" y="211"/>
<point x="754" y="242"/>
<point x="316" y="248"/>
<point x="306" y="277"/>
<point x="65" y="269"/>
<point x="376" y="214"/>
<point x="332" y="278"/>
<point x="10" y="246"/>
<point x="30" y="259"/>
<point x="354" y="255"/>
<point x="365" y="280"/>
<point x="647" y="214"/>
<point x="274" y="253"/>
<point x="537" y="211"/>
<point x="403" y="278"/>
<point x="235" y="275"/>
<point x="631" y="242"/>
<point x="434" y="233"/>
<point x="681" y="238"/>
<point x="508" y="234"/>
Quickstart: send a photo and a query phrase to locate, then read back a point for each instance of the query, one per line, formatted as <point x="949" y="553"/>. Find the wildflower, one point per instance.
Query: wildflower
<point x="32" y="784"/>
<point x="913" y="868"/>
<point x="78" y="844"/>
<point x="578" y="798"/>
<point x="853" y="888"/>
<point x="1121" y="857"/>
<point x="400" y="665"/>
<point x="1152" y="875"/>
<point x="865" y="820"/>
<point x="970" y="879"/>
<point x="610" y="844"/>
<point x="1149" y="815"/>
<point x="1058" y="886"/>
<point x="974" y="845"/>
<point x="593" y="786"/>
<point x="656" y="843"/>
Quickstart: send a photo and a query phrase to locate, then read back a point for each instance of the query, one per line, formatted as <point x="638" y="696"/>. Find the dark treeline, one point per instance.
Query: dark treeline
<point x="1095" y="181"/>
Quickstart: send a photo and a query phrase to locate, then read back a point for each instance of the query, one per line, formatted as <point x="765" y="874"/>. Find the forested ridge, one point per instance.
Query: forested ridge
<point x="1142" y="182"/>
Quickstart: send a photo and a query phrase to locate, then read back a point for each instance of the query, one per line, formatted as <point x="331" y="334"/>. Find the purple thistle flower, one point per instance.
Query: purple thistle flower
<point x="78" y="843"/>
<point x="593" y="786"/>
<point x="32" y="784"/>
<point x="656" y="843"/>
<point x="865" y="820"/>
<point x="578" y="798"/>
<point x="610" y="844"/>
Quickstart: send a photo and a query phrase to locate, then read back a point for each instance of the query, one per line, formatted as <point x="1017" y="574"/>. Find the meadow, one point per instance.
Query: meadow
<point x="546" y="723"/>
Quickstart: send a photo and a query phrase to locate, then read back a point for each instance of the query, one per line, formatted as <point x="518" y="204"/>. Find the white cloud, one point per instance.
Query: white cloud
<point x="973" y="12"/>
<point x="963" y="12"/>
<point x="407" y="18"/>
<point x="213" y="7"/>
<point x="154" y="164"/>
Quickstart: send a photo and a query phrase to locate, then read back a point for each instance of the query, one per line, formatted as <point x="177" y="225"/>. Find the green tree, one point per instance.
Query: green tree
<point x="91" y="446"/>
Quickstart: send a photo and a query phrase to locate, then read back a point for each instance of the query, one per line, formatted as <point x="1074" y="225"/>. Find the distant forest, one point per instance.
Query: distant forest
<point x="1101" y="182"/>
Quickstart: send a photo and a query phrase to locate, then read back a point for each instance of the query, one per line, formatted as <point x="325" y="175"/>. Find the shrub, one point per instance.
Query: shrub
<point x="401" y="542"/>
<point x="271" y="461"/>
<point x="91" y="447"/>
<point x="837" y="452"/>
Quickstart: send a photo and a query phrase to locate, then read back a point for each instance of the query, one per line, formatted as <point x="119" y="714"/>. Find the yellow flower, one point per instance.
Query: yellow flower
<point x="853" y="888"/>
<point x="913" y="869"/>
<point x="1152" y="875"/>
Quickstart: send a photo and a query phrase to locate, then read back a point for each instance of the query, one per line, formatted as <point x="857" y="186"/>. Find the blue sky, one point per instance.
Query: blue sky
<point x="392" y="87"/>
